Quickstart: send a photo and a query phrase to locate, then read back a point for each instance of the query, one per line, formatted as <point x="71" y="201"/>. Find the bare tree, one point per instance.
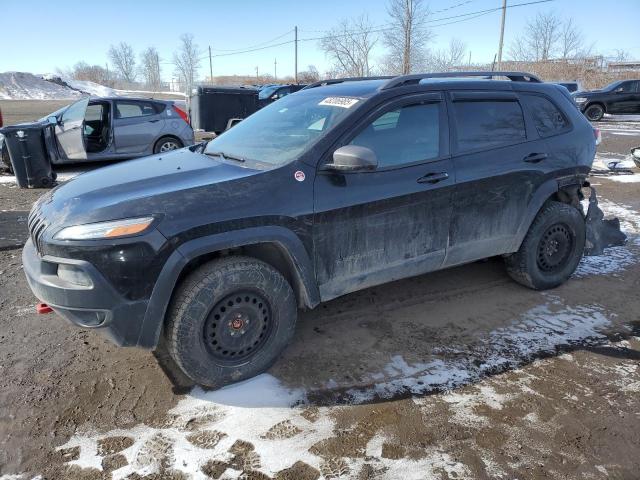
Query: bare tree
<point x="540" y="39"/>
<point x="349" y="47"/>
<point x="124" y="61"/>
<point x="91" y="73"/>
<point x="447" y="59"/>
<point x="310" y="75"/>
<point x="187" y="61"/>
<point x="571" y="40"/>
<point x="150" y="68"/>
<point x="408" y="37"/>
<point x="620" y="55"/>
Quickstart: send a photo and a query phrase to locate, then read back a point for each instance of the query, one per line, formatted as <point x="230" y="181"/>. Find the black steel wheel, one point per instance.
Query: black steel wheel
<point x="238" y="326"/>
<point x="555" y="248"/>
<point x="229" y="320"/>
<point x="551" y="249"/>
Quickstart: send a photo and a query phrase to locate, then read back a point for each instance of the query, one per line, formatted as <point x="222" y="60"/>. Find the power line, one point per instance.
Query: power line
<point x="458" y="19"/>
<point x="253" y="46"/>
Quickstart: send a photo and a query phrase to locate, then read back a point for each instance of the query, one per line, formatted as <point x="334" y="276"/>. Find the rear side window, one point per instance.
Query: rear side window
<point x="547" y="118"/>
<point x="488" y="123"/>
<point x="402" y="136"/>
<point x="134" y="109"/>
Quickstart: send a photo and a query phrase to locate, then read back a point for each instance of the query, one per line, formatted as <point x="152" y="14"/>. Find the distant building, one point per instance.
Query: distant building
<point x="624" y="67"/>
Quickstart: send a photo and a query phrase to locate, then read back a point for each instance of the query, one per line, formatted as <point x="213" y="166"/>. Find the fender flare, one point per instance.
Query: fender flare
<point x="289" y="242"/>
<point x="542" y="194"/>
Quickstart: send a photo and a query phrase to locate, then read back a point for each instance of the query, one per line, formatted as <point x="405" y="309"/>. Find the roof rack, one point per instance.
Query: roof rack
<point x="333" y="81"/>
<point x="416" y="78"/>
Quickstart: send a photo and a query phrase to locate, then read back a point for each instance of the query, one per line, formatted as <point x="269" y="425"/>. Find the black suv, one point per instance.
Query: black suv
<point x="344" y="185"/>
<point x="622" y="97"/>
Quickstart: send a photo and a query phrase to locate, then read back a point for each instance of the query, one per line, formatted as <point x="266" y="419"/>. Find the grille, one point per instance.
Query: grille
<point x="37" y="225"/>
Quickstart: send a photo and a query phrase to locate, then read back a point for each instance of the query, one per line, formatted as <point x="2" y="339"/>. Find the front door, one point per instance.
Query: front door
<point x="499" y="164"/>
<point x="626" y="98"/>
<point x="377" y="226"/>
<point x="69" y="131"/>
<point x="135" y="126"/>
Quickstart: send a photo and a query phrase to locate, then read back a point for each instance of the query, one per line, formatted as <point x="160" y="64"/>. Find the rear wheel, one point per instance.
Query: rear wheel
<point x="229" y="320"/>
<point x="166" y="144"/>
<point x="552" y="248"/>
<point x="594" y="112"/>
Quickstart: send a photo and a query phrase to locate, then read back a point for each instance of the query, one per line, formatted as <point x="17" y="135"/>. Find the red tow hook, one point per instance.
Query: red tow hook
<point x="43" y="308"/>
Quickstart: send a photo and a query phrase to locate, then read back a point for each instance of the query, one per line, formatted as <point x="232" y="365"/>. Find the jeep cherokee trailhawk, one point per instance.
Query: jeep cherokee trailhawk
<point x="212" y="249"/>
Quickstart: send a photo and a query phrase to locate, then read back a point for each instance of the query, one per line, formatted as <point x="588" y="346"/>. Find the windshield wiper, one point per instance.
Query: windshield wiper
<point x="225" y="156"/>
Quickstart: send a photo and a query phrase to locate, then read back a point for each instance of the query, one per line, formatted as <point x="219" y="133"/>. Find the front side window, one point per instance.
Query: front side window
<point x="283" y="130"/>
<point x="405" y="135"/>
<point x="546" y="116"/>
<point x="627" y="87"/>
<point x="488" y="123"/>
<point x="134" y="109"/>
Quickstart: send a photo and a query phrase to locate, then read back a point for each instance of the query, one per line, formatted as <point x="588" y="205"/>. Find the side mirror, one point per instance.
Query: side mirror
<point x="353" y="158"/>
<point x="52" y="120"/>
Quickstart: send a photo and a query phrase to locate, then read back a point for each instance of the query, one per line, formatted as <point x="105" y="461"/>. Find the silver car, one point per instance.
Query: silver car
<point x="95" y="129"/>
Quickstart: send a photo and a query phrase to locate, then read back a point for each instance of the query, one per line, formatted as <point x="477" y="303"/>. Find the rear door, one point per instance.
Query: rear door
<point x="393" y="222"/>
<point x="136" y="125"/>
<point x="497" y="161"/>
<point x="69" y="131"/>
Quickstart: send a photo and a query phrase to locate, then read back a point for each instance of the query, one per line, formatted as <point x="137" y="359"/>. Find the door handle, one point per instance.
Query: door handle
<point x="433" y="177"/>
<point x="154" y="121"/>
<point x="535" y="157"/>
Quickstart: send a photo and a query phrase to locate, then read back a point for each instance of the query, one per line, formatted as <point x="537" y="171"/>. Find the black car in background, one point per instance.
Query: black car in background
<point x="274" y="92"/>
<point x="621" y="97"/>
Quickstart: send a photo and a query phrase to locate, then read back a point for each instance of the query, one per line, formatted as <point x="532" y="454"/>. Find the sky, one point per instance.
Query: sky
<point x="46" y="35"/>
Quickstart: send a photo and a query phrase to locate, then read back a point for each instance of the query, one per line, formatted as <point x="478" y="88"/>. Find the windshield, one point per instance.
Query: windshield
<point x="267" y="92"/>
<point x="280" y="132"/>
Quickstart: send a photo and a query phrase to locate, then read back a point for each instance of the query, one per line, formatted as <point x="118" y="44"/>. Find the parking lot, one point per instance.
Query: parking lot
<point x="456" y="374"/>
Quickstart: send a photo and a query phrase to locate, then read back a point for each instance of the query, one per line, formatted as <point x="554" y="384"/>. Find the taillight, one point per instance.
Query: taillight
<point x="182" y="113"/>
<point x="598" y="135"/>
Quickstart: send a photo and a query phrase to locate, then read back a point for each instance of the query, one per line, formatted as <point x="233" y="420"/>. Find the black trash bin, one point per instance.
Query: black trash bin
<point x="28" y="154"/>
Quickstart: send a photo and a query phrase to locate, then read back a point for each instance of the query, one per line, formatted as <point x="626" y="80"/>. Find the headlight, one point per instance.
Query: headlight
<point x="580" y="99"/>
<point x="113" y="229"/>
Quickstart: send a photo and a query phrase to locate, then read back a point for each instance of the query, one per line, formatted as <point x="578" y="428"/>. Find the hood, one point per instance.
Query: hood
<point x="586" y="93"/>
<point x="159" y="184"/>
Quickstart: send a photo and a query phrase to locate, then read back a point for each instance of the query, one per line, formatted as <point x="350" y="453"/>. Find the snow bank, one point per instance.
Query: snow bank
<point x="26" y="86"/>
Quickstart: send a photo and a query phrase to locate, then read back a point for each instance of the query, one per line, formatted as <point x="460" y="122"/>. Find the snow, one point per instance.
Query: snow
<point x="26" y="86"/>
<point x="634" y="178"/>
<point x="91" y="88"/>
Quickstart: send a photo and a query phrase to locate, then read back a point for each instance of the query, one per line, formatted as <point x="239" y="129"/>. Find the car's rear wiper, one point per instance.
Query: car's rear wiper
<point x="225" y="156"/>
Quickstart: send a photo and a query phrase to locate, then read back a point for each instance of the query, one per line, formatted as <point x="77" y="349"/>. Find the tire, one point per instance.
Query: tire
<point x="229" y="320"/>
<point x="166" y="144"/>
<point x="552" y="248"/>
<point x="594" y="112"/>
<point x="6" y="160"/>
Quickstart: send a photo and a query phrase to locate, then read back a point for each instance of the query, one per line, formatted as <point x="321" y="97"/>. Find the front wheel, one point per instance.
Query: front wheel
<point x="594" y="112"/>
<point x="166" y="144"/>
<point x="552" y="248"/>
<point x="229" y="320"/>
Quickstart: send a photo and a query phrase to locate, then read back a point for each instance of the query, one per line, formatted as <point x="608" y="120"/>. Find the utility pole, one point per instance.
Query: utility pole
<point x="295" y="29"/>
<point x="469" y="57"/>
<point x="210" y="66"/>
<point x="257" y="76"/>
<point x="275" y="69"/>
<point x="504" y="14"/>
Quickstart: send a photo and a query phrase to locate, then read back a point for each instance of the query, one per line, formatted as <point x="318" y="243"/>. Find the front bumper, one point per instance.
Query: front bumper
<point x="97" y="306"/>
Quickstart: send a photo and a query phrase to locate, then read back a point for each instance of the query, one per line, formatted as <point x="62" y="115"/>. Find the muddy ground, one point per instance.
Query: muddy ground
<point x="455" y="374"/>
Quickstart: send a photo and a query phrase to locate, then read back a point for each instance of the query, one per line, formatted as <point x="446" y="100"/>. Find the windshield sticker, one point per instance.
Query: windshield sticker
<point x="343" y="102"/>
